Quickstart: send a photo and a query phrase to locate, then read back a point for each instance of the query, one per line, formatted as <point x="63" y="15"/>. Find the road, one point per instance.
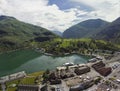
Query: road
<point x="62" y="87"/>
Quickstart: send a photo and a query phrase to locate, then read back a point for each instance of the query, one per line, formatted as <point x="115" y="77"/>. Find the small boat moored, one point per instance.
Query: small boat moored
<point x="68" y="64"/>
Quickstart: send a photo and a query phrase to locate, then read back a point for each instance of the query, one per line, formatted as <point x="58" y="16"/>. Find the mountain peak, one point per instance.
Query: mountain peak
<point x="110" y="32"/>
<point x="85" y="28"/>
<point x="3" y="17"/>
<point x="92" y="23"/>
<point x="17" y="32"/>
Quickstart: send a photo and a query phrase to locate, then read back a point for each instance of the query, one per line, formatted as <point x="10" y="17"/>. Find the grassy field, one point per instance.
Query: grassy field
<point x="31" y="79"/>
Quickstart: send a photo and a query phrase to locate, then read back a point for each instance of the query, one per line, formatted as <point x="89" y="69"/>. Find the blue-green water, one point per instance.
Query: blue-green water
<point x="31" y="61"/>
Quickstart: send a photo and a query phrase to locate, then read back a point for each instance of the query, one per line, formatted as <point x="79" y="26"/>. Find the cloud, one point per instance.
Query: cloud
<point x="103" y="8"/>
<point x="39" y="12"/>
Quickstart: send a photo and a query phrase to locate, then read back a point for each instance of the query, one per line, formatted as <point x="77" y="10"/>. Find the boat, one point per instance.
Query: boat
<point x="68" y="64"/>
<point x="48" y="54"/>
<point x="92" y="60"/>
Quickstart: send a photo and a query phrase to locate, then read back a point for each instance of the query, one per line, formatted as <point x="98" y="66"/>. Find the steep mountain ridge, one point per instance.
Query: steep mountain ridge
<point x="14" y="32"/>
<point x="85" y="29"/>
<point x="111" y="32"/>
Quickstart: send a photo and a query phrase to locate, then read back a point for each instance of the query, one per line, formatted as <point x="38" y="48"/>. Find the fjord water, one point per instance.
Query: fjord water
<point x="32" y="61"/>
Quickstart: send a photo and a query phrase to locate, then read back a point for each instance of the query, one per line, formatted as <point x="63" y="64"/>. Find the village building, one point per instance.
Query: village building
<point x="82" y="86"/>
<point x="82" y="70"/>
<point x="28" y="88"/>
<point x="105" y="71"/>
<point x="54" y="78"/>
<point x="101" y="69"/>
<point x="98" y="65"/>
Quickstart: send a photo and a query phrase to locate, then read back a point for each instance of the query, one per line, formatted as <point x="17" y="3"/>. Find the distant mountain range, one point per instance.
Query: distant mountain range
<point x="57" y="33"/>
<point x="96" y="29"/>
<point x="15" y="32"/>
<point x="85" y="29"/>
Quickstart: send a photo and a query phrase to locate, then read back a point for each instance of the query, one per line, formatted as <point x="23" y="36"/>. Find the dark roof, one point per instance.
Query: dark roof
<point x="82" y="70"/>
<point x="28" y="88"/>
<point x="44" y="88"/>
<point x="98" y="65"/>
<point x="105" y="71"/>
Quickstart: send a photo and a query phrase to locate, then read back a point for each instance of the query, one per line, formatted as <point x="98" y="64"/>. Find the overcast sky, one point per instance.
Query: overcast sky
<point x="60" y="14"/>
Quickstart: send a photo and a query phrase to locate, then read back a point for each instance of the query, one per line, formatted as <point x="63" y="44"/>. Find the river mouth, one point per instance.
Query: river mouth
<point x="32" y="61"/>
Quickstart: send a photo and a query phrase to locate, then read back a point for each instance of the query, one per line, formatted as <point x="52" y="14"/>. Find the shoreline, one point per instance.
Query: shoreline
<point x="49" y="54"/>
<point x="67" y="54"/>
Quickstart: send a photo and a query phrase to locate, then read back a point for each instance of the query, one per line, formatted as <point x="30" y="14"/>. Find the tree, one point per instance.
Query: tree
<point x="46" y="75"/>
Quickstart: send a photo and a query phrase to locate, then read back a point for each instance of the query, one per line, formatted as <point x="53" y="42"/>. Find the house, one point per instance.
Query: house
<point x="100" y="68"/>
<point x="82" y="70"/>
<point x="54" y="78"/>
<point x="98" y="65"/>
<point x="28" y="88"/>
<point x="82" y="86"/>
<point x="105" y="71"/>
<point x="56" y="81"/>
<point x="12" y="77"/>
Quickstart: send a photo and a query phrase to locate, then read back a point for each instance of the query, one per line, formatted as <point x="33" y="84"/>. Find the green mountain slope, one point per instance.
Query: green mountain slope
<point x="15" y="33"/>
<point x="83" y="45"/>
<point x="111" y="32"/>
<point x="85" y="29"/>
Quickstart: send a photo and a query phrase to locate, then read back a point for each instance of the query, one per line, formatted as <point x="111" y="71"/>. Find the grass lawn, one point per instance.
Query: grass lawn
<point x="30" y="80"/>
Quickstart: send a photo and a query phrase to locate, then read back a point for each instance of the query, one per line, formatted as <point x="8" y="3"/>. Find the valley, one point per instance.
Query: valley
<point x="84" y="58"/>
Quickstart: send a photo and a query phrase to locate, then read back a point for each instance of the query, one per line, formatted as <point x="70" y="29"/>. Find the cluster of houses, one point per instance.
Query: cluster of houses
<point x="71" y="75"/>
<point x="74" y="76"/>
